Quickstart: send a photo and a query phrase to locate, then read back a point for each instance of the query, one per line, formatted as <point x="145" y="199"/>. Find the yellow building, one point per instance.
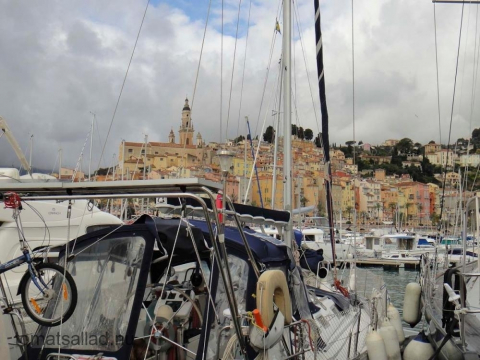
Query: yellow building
<point x="240" y="167"/>
<point x="160" y="155"/>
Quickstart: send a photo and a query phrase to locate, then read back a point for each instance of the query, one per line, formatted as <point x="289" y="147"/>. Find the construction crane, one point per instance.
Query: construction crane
<point x="13" y="142"/>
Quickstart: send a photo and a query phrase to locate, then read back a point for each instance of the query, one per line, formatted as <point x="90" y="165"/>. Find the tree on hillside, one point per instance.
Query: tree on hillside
<point x="318" y="140"/>
<point x="431" y="142"/>
<point x="269" y="135"/>
<point x="294" y="129"/>
<point x="238" y="139"/>
<point x="308" y="134"/>
<point x="396" y="159"/>
<point x="405" y="146"/>
<point x="476" y="134"/>
<point x="300" y="133"/>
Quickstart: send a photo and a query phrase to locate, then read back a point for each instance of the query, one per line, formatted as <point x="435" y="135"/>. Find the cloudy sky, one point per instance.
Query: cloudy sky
<point x="62" y="60"/>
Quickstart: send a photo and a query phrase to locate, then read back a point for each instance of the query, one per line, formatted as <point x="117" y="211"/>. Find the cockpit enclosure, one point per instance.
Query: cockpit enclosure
<point x="111" y="275"/>
<point x="177" y="288"/>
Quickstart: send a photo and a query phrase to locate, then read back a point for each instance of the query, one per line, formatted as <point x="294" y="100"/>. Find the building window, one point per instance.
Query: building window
<point x="130" y="150"/>
<point x="156" y="152"/>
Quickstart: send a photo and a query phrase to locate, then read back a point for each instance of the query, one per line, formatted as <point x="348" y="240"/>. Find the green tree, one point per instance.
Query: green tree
<point x="405" y="146"/>
<point x="377" y="207"/>
<point x="318" y="140"/>
<point x="349" y="212"/>
<point x="269" y="135"/>
<point x="300" y="133"/>
<point x="303" y="201"/>
<point x="308" y="134"/>
<point x="294" y="129"/>
<point x="321" y="208"/>
<point x="239" y="138"/>
<point x="392" y="206"/>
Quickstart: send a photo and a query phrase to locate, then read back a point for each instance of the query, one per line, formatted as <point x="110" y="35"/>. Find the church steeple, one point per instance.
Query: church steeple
<point x="171" y="137"/>
<point x="186" y="129"/>
<point x="186" y="106"/>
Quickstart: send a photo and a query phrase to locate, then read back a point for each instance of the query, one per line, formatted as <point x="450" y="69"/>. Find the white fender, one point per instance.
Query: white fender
<point x="418" y="349"/>
<point x="351" y="280"/>
<point x="411" y="304"/>
<point x="390" y="338"/>
<point x="375" y="346"/>
<point x="272" y="288"/>
<point x="394" y="317"/>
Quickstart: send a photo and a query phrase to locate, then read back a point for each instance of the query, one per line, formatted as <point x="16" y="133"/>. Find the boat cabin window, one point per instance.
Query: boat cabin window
<point x="404" y="243"/>
<point x="106" y="275"/>
<point x="309" y="237"/>
<point x="98" y="227"/>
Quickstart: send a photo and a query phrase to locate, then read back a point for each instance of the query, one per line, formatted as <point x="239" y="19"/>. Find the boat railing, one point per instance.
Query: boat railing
<point x="197" y="190"/>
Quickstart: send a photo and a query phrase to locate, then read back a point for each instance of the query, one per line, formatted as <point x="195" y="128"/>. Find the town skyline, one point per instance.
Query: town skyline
<point x="73" y="60"/>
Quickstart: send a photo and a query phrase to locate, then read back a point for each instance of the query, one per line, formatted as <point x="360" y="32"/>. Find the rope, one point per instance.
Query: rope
<point x="123" y="85"/>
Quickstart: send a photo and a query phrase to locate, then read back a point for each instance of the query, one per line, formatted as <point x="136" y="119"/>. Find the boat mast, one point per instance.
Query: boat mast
<point x="91" y="146"/>
<point x="287" y="113"/>
<point x="325" y="139"/>
<point x="275" y="151"/>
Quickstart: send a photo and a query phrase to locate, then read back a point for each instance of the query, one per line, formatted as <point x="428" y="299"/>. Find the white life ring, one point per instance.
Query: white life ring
<point x="272" y="289"/>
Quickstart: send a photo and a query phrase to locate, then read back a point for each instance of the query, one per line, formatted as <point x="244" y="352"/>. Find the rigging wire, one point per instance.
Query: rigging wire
<point x="233" y="69"/>
<point x="200" y="58"/>
<point x="353" y="87"/>
<point x="179" y="173"/>
<point x="299" y="27"/>
<point x="123" y="84"/>
<point x="436" y="63"/>
<point x="272" y="47"/>
<point x="451" y="115"/>
<point x="221" y="77"/>
<point x="474" y="80"/>
<point x="243" y="71"/>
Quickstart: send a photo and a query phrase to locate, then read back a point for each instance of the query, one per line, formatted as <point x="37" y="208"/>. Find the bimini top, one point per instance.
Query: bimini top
<point x="265" y="248"/>
<point x="246" y="213"/>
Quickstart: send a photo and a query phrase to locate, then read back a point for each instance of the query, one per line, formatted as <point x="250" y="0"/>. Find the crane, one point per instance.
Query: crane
<point x="13" y="142"/>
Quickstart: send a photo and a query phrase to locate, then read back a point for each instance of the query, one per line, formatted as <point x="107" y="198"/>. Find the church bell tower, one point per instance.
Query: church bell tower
<point x="186" y="129"/>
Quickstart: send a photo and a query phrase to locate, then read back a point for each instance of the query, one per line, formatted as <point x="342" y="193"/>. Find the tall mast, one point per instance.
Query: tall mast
<point x="91" y="146"/>
<point x="325" y="138"/>
<point x="287" y="113"/>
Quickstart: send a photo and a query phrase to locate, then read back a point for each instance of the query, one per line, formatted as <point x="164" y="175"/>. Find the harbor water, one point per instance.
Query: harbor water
<point x="395" y="281"/>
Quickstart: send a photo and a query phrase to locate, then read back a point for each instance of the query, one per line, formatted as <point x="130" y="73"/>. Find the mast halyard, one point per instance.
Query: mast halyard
<point x="287" y="113"/>
<point x="325" y="138"/>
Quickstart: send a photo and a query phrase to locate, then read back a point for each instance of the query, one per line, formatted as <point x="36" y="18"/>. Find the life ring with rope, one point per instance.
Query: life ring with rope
<point x="272" y="291"/>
